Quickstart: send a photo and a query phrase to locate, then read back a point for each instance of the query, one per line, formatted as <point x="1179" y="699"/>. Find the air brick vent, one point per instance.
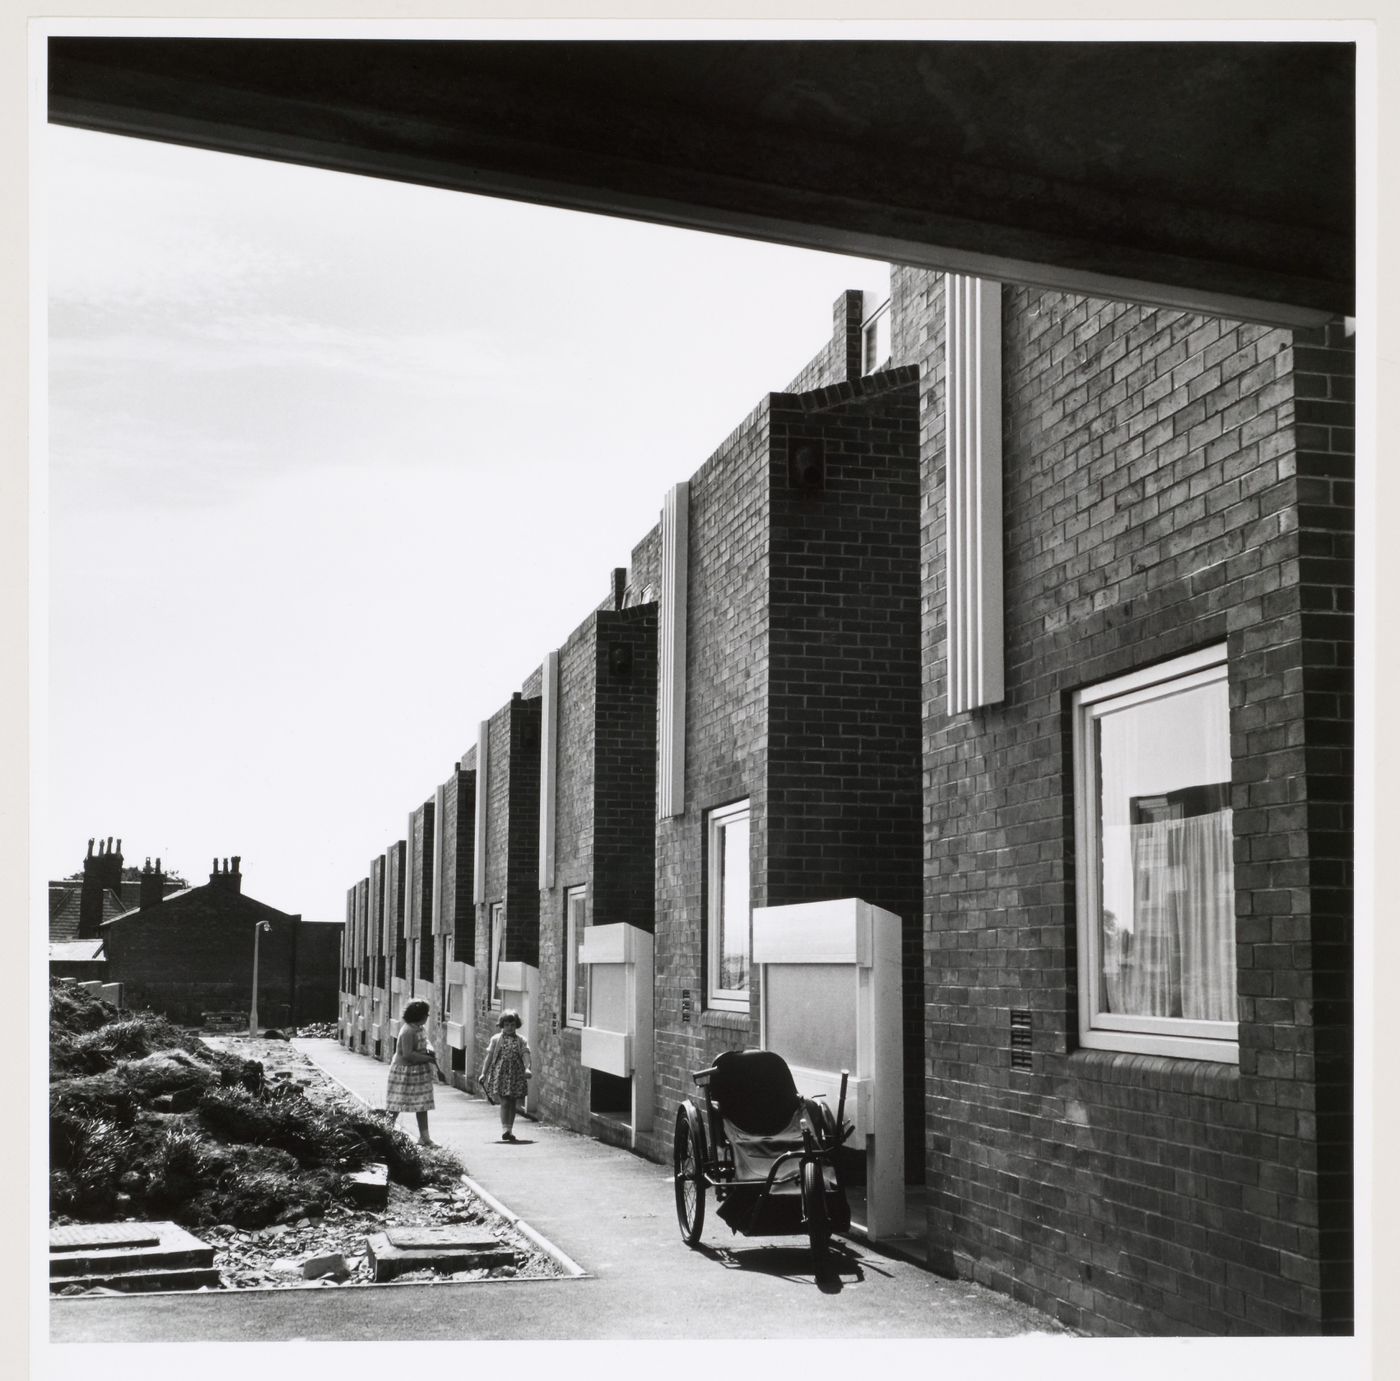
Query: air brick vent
<point x="1020" y="1039"/>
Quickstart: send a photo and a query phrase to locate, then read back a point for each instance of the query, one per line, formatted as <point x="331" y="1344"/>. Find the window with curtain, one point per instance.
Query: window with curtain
<point x="1155" y="848"/>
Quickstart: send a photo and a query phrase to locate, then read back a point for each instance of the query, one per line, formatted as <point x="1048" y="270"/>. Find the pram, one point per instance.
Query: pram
<point x="767" y="1152"/>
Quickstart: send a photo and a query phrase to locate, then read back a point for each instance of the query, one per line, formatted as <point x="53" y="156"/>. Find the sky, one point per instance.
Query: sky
<point x="332" y="463"/>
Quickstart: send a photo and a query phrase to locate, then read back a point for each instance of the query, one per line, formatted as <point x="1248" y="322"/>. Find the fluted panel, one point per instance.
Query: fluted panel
<point x="549" y="763"/>
<point x="976" y="670"/>
<point x="483" y="737"/>
<point x="439" y="810"/>
<point x="675" y="541"/>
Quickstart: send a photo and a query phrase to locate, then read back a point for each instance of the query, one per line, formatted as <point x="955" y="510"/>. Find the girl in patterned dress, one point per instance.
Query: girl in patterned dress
<point x="412" y="1073"/>
<point x="505" y="1072"/>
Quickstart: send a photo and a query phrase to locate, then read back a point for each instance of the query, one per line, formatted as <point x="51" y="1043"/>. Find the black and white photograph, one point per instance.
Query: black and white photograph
<point x="702" y="683"/>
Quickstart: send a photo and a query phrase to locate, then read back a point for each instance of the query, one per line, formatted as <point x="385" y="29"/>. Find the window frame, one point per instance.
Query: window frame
<point x="1175" y="1037"/>
<point x="495" y="938"/>
<point x="720" y="817"/>
<point x="876" y="339"/>
<point x="573" y="940"/>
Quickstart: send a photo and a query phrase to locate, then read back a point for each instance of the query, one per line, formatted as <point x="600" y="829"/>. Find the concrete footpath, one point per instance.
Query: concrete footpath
<point x="613" y="1214"/>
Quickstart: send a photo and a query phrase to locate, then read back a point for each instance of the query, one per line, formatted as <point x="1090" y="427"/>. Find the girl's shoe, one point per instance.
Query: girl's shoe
<point x="423" y="1141"/>
<point x="507" y="1136"/>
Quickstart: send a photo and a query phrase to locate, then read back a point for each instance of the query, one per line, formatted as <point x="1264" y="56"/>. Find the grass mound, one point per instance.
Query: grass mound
<point x="251" y="1153"/>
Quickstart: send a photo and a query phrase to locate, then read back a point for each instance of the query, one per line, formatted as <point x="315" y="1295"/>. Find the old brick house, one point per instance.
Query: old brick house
<point x="191" y="952"/>
<point x="80" y="904"/>
<point x="1039" y="638"/>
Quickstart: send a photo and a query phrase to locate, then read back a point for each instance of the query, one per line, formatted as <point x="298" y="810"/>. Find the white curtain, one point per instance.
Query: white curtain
<point x="1178" y="959"/>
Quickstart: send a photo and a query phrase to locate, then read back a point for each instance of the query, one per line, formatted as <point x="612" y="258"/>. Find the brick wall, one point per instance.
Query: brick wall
<point x="378" y="967"/>
<point x="1324" y="372"/>
<point x="523" y="848"/>
<point x="624" y="797"/>
<point x="457" y="917"/>
<point x="317" y="958"/>
<point x="419" y="892"/>
<point x="363" y="944"/>
<point x="561" y="1083"/>
<point x="396" y="900"/>
<point x="195" y="955"/>
<point x="512" y="842"/>
<point x="726" y="738"/>
<point x="844" y="723"/>
<point x="645" y="570"/>
<point x="839" y="361"/>
<point x="1152" y="507"/>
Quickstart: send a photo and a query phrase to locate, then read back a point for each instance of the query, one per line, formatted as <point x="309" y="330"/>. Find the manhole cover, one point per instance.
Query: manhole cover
<point x="75" y="1236"/>
<point x="439" y="1239"/>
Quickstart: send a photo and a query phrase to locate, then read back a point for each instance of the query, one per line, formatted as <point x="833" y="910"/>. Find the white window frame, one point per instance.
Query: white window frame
<point x="876" y="347"/>
<point x="717" y="998"/>
<point x="1098" y="1030"/>
<point x="575" y="923"/>
<point x="495" y="938"/>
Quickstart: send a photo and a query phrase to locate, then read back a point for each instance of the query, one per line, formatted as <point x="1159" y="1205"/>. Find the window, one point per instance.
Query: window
<point x="496" y="936"/>
<point x="875" y="339"/>
<point x="728" y="910"/>
<point x="1155" y="862"/>
<point x="575" y="973"/>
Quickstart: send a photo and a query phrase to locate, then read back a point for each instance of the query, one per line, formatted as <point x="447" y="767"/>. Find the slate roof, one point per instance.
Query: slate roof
<point x="65" y="909"/>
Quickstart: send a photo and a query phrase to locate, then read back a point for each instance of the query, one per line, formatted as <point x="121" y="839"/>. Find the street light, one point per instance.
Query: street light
<point x="253" y="1011"/>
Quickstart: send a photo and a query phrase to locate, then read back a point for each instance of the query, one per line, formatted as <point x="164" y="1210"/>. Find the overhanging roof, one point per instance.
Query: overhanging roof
<point x="1218" y="176"/>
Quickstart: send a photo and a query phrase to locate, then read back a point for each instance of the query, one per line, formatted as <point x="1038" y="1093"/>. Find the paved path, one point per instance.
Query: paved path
<point x="614" y="1214"/>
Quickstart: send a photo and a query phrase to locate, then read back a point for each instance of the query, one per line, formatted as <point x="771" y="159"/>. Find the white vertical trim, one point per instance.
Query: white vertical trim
<point x="439" y="808"/>
<point x="549" y="763"/>
<point x="410" y="925"/>
<point x="675" y="545"/>
<point x="483" y="737"/>
<point x="976" y="669"/>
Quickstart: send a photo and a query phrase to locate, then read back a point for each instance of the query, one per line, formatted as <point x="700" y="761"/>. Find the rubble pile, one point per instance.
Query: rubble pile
<point x="243" y="1141"/>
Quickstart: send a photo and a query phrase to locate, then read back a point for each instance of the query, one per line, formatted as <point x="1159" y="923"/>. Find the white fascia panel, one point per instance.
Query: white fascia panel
<point x="549" y="762"/>
<point x="609" y="944"/>
<point x="675" y="546"/>
<point x="608" y="1051"/>
<point x="973" y="498"/>
<point x="483" y="736"/>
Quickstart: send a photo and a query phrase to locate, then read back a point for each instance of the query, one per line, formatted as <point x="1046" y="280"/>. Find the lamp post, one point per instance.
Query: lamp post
<point x="253" y="1010"/>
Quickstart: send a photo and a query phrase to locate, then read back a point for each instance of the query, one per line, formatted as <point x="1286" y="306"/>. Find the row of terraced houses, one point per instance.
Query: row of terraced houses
<point x="978" y="718"/>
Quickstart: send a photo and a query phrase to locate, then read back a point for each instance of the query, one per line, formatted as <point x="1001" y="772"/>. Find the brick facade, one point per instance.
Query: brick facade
<point x="1171" y="482"/>
<point x="605" y="803"/>
<point x="419" y="898"/>
<point x="512" y="847"/>
<point x="1152" y="507"/>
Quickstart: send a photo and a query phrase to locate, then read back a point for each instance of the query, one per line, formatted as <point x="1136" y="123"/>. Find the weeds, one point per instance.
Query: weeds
<point x="250" y="1154"/>
<point x="87" y="1185"/>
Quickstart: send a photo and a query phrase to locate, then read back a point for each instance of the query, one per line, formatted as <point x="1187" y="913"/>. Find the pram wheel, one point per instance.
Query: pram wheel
<point x="690" y="1180"/>
<point x="814" y="1208"/>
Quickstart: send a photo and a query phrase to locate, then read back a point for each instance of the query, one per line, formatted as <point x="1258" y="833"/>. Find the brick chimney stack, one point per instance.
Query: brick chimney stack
<point x="101" y="870"/>
<point x="228" y="878"/>
<point x="152" y="885"/>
